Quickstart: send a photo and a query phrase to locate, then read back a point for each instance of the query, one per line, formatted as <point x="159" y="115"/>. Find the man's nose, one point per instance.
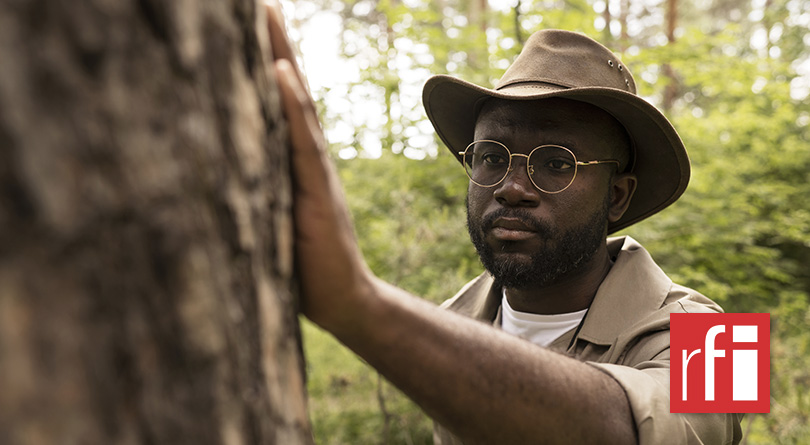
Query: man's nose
<point x="517" y="189"/>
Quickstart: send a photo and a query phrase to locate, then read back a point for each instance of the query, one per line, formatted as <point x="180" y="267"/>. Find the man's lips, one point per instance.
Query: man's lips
<point x="511" y="229"/>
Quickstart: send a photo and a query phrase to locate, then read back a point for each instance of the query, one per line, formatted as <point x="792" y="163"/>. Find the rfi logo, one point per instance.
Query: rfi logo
<point x="720" y="363"/>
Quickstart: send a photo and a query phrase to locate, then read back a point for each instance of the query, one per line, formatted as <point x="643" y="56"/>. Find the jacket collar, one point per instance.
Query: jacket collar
<point x="634" y="288"/>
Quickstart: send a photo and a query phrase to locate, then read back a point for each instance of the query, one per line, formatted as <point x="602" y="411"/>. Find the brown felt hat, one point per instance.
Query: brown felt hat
<point x="569" y="65"/>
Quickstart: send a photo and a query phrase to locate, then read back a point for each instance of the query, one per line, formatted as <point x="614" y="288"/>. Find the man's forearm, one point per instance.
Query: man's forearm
<point x="484" y="385"/>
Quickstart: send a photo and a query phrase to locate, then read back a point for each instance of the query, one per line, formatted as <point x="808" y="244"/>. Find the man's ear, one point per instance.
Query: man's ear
<point x="622" y="188"/>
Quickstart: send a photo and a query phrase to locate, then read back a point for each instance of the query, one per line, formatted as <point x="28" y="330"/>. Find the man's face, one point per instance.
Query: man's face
<point x="526" y="237"/>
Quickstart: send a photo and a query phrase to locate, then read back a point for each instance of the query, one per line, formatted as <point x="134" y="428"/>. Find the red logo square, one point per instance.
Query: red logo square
<point x="720" y="363"/>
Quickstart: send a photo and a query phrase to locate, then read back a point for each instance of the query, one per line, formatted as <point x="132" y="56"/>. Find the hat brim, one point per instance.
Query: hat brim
<point x="661" y="164"/>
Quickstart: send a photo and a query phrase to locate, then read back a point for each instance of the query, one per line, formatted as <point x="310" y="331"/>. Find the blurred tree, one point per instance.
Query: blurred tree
<point x="145" y="250"/>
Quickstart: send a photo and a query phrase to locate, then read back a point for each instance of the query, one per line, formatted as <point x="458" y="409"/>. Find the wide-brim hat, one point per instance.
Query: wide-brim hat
<point x="569" y="65"/>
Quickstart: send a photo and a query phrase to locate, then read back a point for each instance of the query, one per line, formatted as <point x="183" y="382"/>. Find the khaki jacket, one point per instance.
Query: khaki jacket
<point x="626" y="335"/>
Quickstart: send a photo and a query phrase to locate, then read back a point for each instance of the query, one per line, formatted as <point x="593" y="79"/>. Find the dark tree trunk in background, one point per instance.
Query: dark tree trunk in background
<point x="671" y="90"/>
<point x="145" y="228"/>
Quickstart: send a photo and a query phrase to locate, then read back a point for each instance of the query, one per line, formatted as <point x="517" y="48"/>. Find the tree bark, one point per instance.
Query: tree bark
<point x="145" y="227"/>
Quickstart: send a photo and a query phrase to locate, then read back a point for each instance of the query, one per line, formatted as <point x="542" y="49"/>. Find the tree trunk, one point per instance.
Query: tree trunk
<point x="625" y="35"/>
<point x="145" y="227"/>
<point x="477" y="18"/>
<point x="671" y="89"/>
<point x="607" y="35"/>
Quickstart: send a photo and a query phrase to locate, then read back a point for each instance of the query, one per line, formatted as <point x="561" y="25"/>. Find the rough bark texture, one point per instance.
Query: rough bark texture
<point x="145" y="228"/>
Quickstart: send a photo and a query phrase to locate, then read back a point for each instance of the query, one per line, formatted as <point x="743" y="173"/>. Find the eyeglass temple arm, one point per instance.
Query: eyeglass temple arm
<point x="605" y="161"/>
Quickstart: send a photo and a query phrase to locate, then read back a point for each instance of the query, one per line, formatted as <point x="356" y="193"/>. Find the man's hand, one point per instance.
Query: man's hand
<point x="332" y="272"/>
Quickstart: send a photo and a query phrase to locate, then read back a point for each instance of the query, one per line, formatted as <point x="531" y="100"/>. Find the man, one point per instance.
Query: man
<point x="559" y="155"/>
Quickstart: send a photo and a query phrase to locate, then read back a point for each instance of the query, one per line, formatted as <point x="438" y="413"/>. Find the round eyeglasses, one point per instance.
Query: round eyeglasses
<point x="551" y="168"/>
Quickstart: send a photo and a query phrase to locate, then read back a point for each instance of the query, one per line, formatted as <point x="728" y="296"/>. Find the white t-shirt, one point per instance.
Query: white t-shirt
<point x="537" y="328"/>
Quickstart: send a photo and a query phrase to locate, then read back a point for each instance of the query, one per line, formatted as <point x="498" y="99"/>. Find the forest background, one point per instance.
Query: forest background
<point x="732" y="75"/>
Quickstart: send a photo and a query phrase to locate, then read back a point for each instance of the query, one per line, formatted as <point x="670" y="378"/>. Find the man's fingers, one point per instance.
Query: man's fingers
<point x="314" y="175"/>
<point x="306" y="136"/>
<point x="278" y="34"/>
<point x="319" y="199"/>
<point x="300" y="111"/>
<point x="279" y="41"/>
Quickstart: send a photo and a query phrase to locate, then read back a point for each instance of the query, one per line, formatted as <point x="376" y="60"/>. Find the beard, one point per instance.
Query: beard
<point x="567" y="250"/>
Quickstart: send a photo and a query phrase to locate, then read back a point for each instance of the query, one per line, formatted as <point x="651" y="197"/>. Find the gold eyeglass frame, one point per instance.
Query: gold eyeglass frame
<point x="530" y="167"/>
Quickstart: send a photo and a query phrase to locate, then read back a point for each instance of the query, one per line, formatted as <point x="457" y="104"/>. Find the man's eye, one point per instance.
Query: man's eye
<point x="558" y="164"/>
<point x="494" y="158"/>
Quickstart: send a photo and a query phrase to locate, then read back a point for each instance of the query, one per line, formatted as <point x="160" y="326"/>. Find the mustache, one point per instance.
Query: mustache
<point x="524" y="216"/>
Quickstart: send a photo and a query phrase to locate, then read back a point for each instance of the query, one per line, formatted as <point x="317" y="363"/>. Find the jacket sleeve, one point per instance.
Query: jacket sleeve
<point x="647" y="387"/>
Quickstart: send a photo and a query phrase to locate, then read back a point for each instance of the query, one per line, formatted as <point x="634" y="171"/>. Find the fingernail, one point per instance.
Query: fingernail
<point x="284" y="65"/>
<point x="284" y="70"/>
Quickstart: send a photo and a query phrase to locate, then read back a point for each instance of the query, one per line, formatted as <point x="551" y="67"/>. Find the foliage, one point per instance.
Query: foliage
<point x="344" y="396"/>
<point x="739" y="235"/>
<point x="397" y="245"/>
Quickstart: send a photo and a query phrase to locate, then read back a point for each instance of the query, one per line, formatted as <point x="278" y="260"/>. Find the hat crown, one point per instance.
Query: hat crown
<point x="567" y="59"/>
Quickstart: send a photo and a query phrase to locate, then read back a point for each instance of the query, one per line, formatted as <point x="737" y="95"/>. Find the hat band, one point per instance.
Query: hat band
<point x="528" y="88"/>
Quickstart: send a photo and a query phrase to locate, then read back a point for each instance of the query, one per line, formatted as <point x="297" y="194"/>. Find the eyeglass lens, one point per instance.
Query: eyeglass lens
<point x="550" y="167"/>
